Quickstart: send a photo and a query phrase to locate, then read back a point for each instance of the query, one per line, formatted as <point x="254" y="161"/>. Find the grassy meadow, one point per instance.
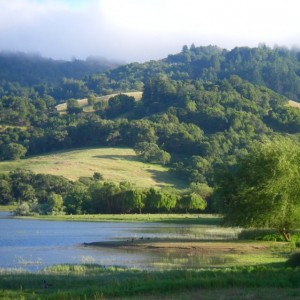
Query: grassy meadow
<point x="294" y="104"/>
<point x="115" y="164"/>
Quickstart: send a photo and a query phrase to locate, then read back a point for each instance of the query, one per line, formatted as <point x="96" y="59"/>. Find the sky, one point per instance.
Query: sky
<point x="143" y="30"/>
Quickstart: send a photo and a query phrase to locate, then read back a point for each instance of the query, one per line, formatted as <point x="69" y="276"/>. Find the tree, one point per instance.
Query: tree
<point x="13" y="151"/>
<point x="133" y="200"/>
<point x="157" y="201"/>
<point x="150" y="152"/>
<point x="76" y="199"/>
<point x="5" y="192"/>
<point x="98" y="176"/>
<point x="92" y="99"/>
<point x="103" y="197"/>
<point x="25" y="192"/>
<point x="263" y="188"/>
<point x="23" y="209"/>
<point x="120" y="104"/>
<point x="54" y="204"/>
<point x="73" y="106"/>
<point x="192" y="202"/>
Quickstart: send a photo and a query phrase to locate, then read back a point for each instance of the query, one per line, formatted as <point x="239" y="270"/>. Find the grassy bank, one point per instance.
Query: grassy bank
<point x="94" y="282"/>
<point x="245" y="269"/>
<point x="193" y="219"/>
<point x="8" y="207"/>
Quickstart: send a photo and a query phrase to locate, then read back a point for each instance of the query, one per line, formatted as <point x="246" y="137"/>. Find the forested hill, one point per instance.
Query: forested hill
<point x="198" y="109"/>
<point x="29" y="69"/>
<point x="277" y="68"/>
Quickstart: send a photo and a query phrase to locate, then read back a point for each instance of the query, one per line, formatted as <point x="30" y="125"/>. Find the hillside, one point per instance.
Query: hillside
<point x="277" y="68"/>
<point x="114" y="164"/>
<point x="30" y="69"/>
<point x="198" y="109"/>
<point x="62" y="107"/>
<point x="198" y="112"/>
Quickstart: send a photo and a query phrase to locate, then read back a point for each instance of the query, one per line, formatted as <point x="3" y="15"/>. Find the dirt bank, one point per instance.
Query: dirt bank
<point x="188" y="246"/>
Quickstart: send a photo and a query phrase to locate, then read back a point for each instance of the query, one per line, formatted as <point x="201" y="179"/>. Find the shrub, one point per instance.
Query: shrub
<point x="294" y="260"/>
<point x="266" y="235"/>
<point x="260" y="235"/>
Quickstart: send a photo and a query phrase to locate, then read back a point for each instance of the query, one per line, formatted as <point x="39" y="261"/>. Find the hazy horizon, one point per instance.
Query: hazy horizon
<point x="134" y="30"/>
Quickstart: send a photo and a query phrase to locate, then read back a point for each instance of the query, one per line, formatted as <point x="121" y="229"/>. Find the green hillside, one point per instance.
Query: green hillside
<point x="115" y="164"/>
<point x="62" y="107"/>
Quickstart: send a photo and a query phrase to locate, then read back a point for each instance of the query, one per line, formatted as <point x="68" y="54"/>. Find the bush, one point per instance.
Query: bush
<point x="260" y="235"/>
<point x="266" y="235"/>
<point x="12" y="151"/>
<point x="294" y="260"/>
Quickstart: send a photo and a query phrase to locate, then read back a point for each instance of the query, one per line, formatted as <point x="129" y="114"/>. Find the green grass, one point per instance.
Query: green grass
<point x="7" y="207"/>
<point x="94" y="282"/>
<point x="294" y="104"/>
<point x="192" y="219"/>
<point x="115" y="164"/>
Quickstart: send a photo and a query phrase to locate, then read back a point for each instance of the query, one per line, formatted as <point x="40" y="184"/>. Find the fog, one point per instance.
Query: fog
<point x="140" y="30"/>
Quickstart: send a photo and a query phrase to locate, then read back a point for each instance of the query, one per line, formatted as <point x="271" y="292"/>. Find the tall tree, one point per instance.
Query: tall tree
<point x="263" y="188"/>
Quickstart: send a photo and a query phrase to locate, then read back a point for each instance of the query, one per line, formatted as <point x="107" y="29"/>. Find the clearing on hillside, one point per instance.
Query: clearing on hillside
<point x="115" y="164"/>
<point x="294" y="104"/>
<point x="62" y="108"/>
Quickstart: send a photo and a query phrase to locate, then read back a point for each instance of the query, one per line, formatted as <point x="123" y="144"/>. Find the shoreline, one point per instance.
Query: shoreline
<point x="187" y="246"/>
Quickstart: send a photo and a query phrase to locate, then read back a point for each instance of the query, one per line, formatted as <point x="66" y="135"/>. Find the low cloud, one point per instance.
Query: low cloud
<point x="135" y="30"/>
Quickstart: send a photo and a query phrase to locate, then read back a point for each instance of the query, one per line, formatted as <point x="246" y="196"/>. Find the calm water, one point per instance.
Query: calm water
<point x="35" y="244"/>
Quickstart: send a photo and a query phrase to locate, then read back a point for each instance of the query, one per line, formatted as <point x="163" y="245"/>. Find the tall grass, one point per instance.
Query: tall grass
<point x="92" y="282"/>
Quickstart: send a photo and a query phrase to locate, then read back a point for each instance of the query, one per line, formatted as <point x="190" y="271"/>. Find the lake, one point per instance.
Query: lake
<point x="35" y="244"/>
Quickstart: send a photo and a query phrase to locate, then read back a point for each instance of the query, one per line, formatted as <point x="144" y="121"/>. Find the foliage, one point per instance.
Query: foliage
<point x="50" y="195"/>
<point x="71" y="281"/>
<point x="13" y="151"/>
<point x="198" y="110"/>
<point x="294" y="260"/>
<point x="266" y="235"/>
<point x="262" y="189"/>
<point x="73" y="106"/>
<point x="150" y="152"/>
<point x="192" y="202"/>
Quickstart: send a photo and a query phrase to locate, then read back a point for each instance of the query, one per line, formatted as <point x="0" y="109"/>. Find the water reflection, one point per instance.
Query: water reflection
<point x="177" y="260"/>
<point x="34" y="244"/>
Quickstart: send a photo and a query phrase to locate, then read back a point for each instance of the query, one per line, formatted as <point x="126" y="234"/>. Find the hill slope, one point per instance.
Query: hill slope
<point x="115" y="164"/>
<point x="62" y="107"/>
<point x="277" y="68"/>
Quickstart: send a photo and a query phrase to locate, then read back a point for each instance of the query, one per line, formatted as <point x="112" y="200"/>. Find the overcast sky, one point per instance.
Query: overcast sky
<point x="141" y="30"/>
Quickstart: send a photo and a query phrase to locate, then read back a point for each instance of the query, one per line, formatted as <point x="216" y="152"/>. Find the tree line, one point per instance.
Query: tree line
<point x="50" y="194"/>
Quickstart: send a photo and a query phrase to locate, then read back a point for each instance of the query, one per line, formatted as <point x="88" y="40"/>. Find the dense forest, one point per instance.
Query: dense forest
<point x="30" y="70"/>
<point x="200" y="109"/>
